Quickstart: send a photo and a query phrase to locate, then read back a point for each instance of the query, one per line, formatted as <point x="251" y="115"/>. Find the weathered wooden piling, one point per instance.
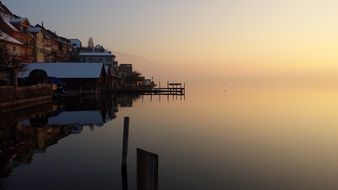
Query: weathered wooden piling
<point x="147" y="170"/>
<point x="125" y="141"/>
<point x="124" y="168"/>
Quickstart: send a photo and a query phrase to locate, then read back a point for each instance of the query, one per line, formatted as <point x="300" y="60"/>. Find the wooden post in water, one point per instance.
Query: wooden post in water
<point x="147" y="170"/>
<point x="124" y="168"/>
<point x="125" y="141"/>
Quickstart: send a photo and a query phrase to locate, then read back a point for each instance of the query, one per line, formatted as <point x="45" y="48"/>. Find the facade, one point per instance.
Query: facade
<point x="113" y="81"/>
<point x="97" y="55"/>
<point x="65" y="50"/>
<point x="77" y="78"/>
<point x="125" y="70"/>
<point x="54" y="46"/>
<point x="13" y="46"/>
<point x="18" y="30"/>
<point x="27" y="39"/>
<point x="59" y="48"/>
<point x="39" y="52"/>
<point x="47" y="44"/>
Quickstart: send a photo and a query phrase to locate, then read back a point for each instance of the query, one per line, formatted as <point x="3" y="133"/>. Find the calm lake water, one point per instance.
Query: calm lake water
<point x="216" y="137"/>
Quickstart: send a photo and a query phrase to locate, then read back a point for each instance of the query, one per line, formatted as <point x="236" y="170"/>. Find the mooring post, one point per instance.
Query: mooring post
<point x="125" y="141"/>
<point x="147" y="170"/>
<point x="124" y="169"/>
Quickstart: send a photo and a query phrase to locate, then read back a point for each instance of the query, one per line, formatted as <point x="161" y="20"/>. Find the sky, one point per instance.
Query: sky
<point x="243" y="40"/>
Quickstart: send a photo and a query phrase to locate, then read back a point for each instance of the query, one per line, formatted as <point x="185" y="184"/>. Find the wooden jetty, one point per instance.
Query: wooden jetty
<point x="177" y="89"/>
<point x="170" y="89"/>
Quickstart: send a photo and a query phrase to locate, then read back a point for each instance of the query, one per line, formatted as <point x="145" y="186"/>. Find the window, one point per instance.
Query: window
<point x="14" y="48"/>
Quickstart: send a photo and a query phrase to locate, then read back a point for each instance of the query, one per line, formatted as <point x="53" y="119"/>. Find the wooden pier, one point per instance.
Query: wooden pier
<point x="170" y="89"/>
<point x="176" y="89"/>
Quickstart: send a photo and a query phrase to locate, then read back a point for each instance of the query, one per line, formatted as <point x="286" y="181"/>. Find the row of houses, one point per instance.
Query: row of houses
<point x="62" y="59"/>
<point x="31" y="43"/>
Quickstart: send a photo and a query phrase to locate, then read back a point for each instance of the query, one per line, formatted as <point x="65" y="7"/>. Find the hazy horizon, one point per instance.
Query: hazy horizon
<point x="278" y="41"/>
<point x="258" y="108"/>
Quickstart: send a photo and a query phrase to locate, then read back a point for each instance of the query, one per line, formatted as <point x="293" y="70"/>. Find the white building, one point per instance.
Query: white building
<point x="98" y="55"/>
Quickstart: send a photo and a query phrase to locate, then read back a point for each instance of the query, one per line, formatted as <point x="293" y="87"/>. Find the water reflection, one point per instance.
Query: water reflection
<point x="147" y="164"/>
<point x="26" y="132"/>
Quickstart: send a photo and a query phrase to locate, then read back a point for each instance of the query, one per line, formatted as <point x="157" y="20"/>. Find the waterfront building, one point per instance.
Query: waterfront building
<point x="125" y="70"/>
<point x="65" y="50"/>
<point x="77" y="78"/>
<point x="39" y="53"/>
<point x="27" y="39"/>
<point x="54" y="46"/>
<point x="113" y="81"/>
<point x="47" y="43"/>
<point x="12" y="45"/>
<point x="98" y="54"/>
<point x="17" y="28"/>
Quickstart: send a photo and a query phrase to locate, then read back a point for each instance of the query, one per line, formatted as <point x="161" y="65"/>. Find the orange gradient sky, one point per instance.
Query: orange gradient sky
<point x="206" y="40"/>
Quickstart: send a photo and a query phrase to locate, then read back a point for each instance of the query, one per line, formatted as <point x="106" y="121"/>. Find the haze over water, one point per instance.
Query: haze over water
<point x="194" y="39"/>
<point x="238" y="138"/>
<point x="261" y="105"/>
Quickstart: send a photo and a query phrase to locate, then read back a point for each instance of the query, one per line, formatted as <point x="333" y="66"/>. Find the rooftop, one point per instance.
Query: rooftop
<point x="6" y="21"/>
<point x="34" y="29"/>
<point x="8" y="38"/>
<point x="105" y="53"/>
<point x="16" y="20"/>
<point x="65" y="70"/>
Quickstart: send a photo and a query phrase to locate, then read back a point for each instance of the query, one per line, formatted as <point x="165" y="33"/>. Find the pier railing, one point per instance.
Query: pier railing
<point x="171" y="89"/>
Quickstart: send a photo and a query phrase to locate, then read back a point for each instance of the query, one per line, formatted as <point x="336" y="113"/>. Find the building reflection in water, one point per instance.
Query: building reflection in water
<point x="26" y="132"/>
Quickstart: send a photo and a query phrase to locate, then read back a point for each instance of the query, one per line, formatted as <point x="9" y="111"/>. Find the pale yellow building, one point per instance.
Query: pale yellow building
<point x="39" y="54"/>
